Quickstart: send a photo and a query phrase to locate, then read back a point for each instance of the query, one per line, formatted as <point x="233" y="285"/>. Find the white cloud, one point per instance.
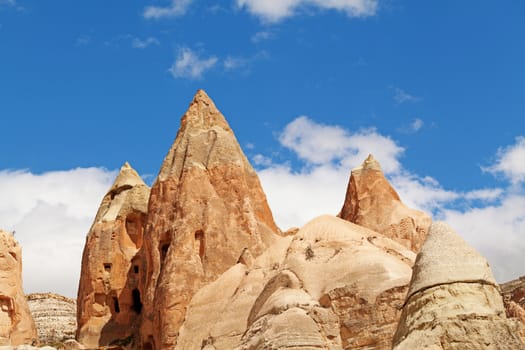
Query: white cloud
<point x="416" y="124"/>
<point x="7" y="3"/>
<point x="510" y="162"/>
<point x="189" y="65"/>
<point x="261" y="36"/>
<point x="401" y="96"/>
<point x="138" y="43"/>
<point x="321" y="144"/>
<point x="277" y="10"/>
<point x="51" y="214"/>
<point x="232" y="63"/>
<point x="259" y="159"/>
<point x="175" y="9"/>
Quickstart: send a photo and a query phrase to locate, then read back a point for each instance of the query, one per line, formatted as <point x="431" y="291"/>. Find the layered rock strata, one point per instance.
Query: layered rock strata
<point x="373" y="203"/>
<point x="333" y="285"/>
<point x="109" y="302"/>
<point x="16" y="324"/>
<point x="206" y="208"/>
<point x="453" y="301"/>
<point x="55" y="316"/>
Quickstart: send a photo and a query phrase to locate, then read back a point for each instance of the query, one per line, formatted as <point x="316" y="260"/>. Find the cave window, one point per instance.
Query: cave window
<point x="107" y="267"/>
<point x="199" y="243"/>
<point x="164" y="250"/>
<point x="136" y="268"/>
<point x="137" y="303"/>
<point x="116" y="305"/>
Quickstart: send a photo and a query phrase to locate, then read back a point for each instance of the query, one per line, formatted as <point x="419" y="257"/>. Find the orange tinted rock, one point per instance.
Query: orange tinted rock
<point x="107" y="309"/>
<point x="373" y="203"/>
<point x="206" y="207"/>
<point x="17" y="326"/>
<point x="514" y="300"/>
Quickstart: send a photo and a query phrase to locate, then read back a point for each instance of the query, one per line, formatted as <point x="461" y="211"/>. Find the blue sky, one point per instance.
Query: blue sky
<point x="436" y="90"/>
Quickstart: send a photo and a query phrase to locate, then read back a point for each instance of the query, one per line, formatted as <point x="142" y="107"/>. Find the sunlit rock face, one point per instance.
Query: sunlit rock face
<point x="16" y="323"/>
<point x="206" y="208"/>
<point x="453" y="301"/>
<point x="332" y="285"/>
<point x="108" y="304"/>
<point x="373" y="203"/>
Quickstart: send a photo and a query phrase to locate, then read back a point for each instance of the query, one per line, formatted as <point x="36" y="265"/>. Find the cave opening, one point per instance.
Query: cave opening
<point x="116" y="305"/>
<point x="137" y="303"/>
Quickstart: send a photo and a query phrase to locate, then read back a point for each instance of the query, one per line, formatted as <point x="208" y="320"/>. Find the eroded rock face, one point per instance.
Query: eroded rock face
<point x="373" y="203"/>
<point x="514" y="301"/>
<point x="109" y="303"/>
<point x="333" y="285"/>
<point x="453" y="301"/>
<point x="55" y="316"/>
<point x="17" y="327"/>
<point x="206" y="207"/>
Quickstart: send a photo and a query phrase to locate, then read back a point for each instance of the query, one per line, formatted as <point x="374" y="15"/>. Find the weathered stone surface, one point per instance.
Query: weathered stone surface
<point x="16" y="324"/>
<point x="333" y="285"/>
<point x="373" y="203"/>
<point x="206" y="207"/>
<point x="108" y="304"/>
<point x="514" y="301"/>
<point x="55" y="316"/>
<point x="453" y="301"/>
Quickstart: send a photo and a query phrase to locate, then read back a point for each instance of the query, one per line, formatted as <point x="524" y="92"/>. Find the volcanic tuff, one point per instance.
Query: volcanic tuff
<point x="514" y="300"/>
<point x="54" y="315"/>
<point x="16" y="324"/>
<point x="453" y="302"/>
<point x="332" y="285"/>
<point x="206" y="208"/>
<point x="373" y="203"/>
<point x="108" y="304"/>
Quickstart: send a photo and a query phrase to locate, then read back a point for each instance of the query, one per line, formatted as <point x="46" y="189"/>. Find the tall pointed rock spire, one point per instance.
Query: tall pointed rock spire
<point x="206" y="207"/>
<point x="107" y="305"/>
<point x="372" y="202"/>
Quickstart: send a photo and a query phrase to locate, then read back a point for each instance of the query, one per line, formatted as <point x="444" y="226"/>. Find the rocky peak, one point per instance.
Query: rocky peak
<point x="446" y="258"/>
<point x="206" y="207"/>
<point x="453" y="301"/>
<point x="17" y="326"/>
<point x="108" y="296"/>
<point x="372" y="202"/>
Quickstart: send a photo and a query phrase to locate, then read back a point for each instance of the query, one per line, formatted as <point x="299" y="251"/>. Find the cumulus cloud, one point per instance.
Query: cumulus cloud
<point x="175" y="9"/>
<point x="138" y="43"/>
<point x="261" y="36"/>
<point x="51" y="214"/>
<point x="510" y="162"/>
<point x="190" y="65"/>
<point x="490" y="219"/>
<point x="277" y="10"/>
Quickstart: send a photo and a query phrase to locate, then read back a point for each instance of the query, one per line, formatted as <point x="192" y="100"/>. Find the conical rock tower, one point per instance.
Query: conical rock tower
<point x="108" y="305"/>
<point x="373" y="203"/>
<point x="453" y="301"/>
<point x="206" y="208"/>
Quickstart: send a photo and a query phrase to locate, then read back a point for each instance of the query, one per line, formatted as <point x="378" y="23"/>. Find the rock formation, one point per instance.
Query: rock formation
<point x="108" y="304"/>
<point x="55" y="316"/>
<point x="373" y="203"/>
<point x="16" y="324"/>
<point x="333" y="285"/>
<point x="514" y="300"/>
<point x="206" y="208"/>
<point x="453" y="301"/>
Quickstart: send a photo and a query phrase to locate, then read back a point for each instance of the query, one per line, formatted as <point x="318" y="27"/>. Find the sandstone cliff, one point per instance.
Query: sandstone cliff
<point x="16" y="324"/>
<point x="206" y="207"/>
<point x="373" y="203"/>
<point x="54" y="315"/>
<point x="109" y="303"/>
<point x="453" y="302"/>
<point x="333" y="285"/>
